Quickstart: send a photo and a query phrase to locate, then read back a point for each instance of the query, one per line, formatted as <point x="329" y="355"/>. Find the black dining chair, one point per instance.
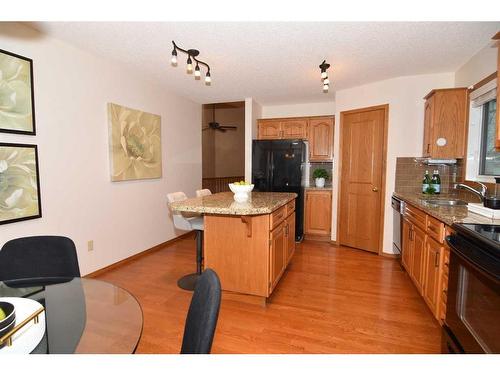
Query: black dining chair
<point x="202" y="316"/>
<point x="47" y="258"/>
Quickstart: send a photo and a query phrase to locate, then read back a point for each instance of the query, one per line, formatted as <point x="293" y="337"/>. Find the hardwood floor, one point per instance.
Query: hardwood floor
<point x="330" y="300"/>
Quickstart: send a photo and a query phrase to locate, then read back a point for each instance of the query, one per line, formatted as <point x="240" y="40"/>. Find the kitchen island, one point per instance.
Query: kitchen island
<point x="248" y="244"/>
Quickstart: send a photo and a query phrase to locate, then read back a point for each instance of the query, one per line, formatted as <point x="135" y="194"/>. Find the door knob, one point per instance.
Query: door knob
<point x="375" y="189"/>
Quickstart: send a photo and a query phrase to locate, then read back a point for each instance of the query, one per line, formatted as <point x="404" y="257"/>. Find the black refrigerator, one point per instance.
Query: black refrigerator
<point x="279" y="166"/>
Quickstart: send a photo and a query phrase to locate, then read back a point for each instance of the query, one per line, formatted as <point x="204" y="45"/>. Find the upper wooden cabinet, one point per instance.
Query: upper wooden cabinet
<point x="317" y="130"/>
<point x="320" y="138"/>
<point x="445" y="124"/>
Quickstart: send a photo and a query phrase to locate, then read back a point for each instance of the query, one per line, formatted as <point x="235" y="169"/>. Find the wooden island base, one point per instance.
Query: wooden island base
<point x="248" y="245"/>
<point x="250" y="253"/>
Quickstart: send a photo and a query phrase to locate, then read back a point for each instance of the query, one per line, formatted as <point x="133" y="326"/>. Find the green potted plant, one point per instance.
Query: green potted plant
<point x="320" y="175"/>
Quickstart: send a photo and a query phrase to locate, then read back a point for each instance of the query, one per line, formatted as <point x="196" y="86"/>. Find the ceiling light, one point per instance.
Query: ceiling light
<point x="174" y="57"/>
<point x="189" y="65"/>
<point x="324" y="75"/>
<point x="192" y="56"/>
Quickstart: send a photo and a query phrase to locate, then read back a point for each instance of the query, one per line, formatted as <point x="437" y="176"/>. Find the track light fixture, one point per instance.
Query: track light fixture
<point x="324" y="75"/>
<point x="192" y="56"/>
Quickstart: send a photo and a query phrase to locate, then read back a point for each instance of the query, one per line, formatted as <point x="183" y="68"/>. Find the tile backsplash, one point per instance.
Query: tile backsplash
<point x="325" y="165"/>
<point x="410" y="173"/>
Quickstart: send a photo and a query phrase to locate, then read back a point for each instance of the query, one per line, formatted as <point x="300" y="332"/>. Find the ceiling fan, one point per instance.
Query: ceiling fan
<point x="215" y="125"/>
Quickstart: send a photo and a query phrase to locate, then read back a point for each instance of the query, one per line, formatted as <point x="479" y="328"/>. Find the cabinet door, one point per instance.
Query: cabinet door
<point x="321" y="139"/>
<point x="290" y="222"/>
<point x="432" y="258"/>
<point x="278" y="246"/>
<point x="318" y="212"/>
<point x="428" y="126"/>
<point x="269" y="129"/>
<point x="417" y="266"/>
<point x="294" y="129"/>
<point x="407" y="246"/>
<point x="449" y="124"/>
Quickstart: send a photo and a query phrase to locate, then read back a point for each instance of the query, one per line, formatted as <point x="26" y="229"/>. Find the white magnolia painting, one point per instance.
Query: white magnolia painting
<point x="16" y="94"/>
<point x="135" y="143"/>
<point x="19" y="183"/>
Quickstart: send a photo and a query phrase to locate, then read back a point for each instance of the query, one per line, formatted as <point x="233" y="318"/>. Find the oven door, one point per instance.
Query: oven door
<point x="473" y="305"/>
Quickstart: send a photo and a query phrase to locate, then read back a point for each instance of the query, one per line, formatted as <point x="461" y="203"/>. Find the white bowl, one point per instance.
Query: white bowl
<point x="241" y="192"/>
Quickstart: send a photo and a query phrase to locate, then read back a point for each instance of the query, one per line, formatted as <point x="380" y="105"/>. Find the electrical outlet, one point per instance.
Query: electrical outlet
<point x="90" y="245"/>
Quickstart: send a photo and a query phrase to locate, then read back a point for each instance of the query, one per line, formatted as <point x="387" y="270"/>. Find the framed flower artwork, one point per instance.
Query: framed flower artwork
<point x="135" y="144"/>
<point x="19" y="183"/>
<point x="17" y="104"/>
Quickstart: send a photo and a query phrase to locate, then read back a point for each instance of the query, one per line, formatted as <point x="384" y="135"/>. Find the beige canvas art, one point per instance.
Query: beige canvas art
<point x="135" y="143"/>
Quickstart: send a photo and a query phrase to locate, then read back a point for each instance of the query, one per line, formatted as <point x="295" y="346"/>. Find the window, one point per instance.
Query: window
<point x="489" y="158"/>
<point x="483" y="160"/>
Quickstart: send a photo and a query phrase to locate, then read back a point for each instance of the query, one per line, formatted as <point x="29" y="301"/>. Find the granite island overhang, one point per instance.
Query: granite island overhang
<point x="248" y="244"/>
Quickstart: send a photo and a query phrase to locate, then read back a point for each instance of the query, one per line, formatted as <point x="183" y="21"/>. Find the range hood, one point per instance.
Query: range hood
<point x="429" y="161"/>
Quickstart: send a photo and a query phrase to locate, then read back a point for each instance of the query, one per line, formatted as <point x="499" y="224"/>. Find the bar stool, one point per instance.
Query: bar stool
<point x="203" y="193"/>
<point x="188" y="282"/>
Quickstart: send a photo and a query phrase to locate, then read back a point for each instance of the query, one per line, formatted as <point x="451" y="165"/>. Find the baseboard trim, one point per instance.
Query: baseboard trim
<point x="388" y="255"/>
<point x="135" y="256"/>
<point x="317" y="237"/>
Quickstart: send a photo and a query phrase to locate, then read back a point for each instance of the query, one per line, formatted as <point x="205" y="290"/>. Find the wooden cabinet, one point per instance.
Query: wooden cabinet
<point x="320" y="138"/>
<point x="432" y="259"/>
<point x="282" y="244"/>
<point x="269" y="129"/>
<point x="445" y="123"/>
<point x="417" y="265"/>
<point x="318" y="131"/>
<point x="294" y="129"/>
<point x="279" y="244"/>
<point x="318" y="212"/>
<point x="425" y="256"/>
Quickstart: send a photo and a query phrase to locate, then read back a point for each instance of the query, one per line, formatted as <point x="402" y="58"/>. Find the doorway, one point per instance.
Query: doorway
<point x="223" y="145"/>
<point x="363" y="152"/>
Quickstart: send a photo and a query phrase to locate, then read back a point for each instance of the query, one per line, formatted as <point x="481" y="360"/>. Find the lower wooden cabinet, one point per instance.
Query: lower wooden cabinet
<point x="318" y="213"/>
<point x="433" y="254"/>
<point x="425" y="257"/>
<point x="282" y="248"/>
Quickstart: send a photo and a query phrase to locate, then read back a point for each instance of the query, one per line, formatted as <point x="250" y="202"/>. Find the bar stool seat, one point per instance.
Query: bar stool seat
<point x="188" y="282"/>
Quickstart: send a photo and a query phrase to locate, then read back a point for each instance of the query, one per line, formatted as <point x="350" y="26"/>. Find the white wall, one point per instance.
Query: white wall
<point x="253" y="112"/>
<point x="406" y="122"/>
<point x="298" y="110"/>
<point x="480" y="66"/>
<point x="72" y="88"/>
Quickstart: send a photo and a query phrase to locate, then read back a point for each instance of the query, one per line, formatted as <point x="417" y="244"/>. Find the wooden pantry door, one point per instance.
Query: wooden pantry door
<point x="363" y="143"/>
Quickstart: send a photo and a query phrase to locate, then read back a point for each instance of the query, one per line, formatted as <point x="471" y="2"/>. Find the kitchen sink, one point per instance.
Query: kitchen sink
<point x="445" y="202"/>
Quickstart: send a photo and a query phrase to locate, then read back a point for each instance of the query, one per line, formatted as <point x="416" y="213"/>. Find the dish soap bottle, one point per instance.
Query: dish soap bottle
<point x="426" y="183"/>
<point x="436" y="182"/>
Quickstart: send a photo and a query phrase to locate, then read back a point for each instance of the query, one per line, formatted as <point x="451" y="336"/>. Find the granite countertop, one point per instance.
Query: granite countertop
<point x="259" y="203"/>
<point x="446" y="214"/>
<point x="318" y="188"/>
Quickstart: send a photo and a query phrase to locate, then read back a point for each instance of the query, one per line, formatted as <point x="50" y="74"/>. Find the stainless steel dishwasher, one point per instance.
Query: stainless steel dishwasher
<point x="398" y="209"/>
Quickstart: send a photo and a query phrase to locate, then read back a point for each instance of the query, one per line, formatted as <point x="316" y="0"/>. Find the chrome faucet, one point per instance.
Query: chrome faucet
<point x="482" y="193"/>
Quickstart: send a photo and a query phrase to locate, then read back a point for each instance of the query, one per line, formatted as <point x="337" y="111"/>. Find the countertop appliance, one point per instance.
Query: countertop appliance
<point x="472" y="323"/>
<point x="279" y="166"/>
<point x="398" y="210"/>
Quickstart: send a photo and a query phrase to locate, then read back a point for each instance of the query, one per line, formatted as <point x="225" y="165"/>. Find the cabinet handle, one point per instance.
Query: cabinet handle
<point x="428" y="146"/>
<point x="436" y="259"/>
<point x="286" y="230"/>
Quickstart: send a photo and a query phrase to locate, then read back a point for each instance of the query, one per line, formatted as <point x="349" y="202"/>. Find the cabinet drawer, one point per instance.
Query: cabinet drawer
<point x="290" y="207"/>
<point x="416" y="216"/>
<point x="278" y="216"/>
<point x="435" y="229"/>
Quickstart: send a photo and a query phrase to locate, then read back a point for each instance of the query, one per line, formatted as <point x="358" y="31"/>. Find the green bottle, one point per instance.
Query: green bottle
<point x="426" y="183"/>
<point x="436" y="182"/>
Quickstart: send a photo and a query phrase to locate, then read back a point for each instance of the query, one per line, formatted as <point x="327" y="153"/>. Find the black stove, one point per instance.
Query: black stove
<point x="484" y="236"/>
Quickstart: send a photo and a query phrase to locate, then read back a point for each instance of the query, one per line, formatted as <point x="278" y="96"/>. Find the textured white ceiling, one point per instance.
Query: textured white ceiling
<point x="277" y="62"/>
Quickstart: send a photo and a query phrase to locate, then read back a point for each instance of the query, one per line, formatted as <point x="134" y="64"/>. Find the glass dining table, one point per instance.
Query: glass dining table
<point x="82" y="315"/>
